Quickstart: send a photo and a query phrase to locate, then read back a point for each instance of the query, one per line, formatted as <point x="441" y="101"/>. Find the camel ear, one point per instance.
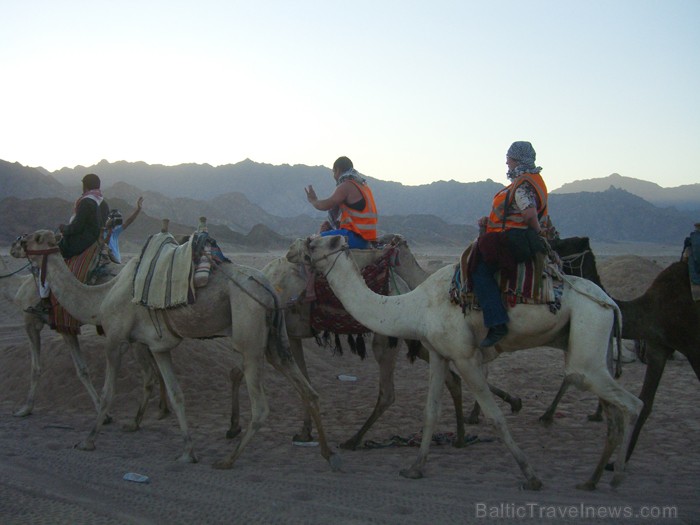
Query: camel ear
<point x="336" y="241"/>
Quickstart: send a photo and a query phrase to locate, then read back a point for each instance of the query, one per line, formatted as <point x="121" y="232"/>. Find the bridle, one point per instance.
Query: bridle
<point x="343" y="249"/>
<point x="45" y="256"/>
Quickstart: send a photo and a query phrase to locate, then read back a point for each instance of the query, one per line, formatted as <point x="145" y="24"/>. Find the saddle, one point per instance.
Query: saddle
<point x="164" y="275"/>
<point x="535" y="281"/>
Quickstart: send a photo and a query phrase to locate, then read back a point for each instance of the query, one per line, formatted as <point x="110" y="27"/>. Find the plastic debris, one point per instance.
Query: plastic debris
<point x="345" y="377"/>
<point x="137" y="478"/>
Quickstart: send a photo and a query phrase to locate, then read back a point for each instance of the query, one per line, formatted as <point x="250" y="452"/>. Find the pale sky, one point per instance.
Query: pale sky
<point x="411" y="91"/>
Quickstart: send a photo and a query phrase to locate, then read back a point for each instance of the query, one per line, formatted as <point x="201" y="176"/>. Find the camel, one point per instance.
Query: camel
<point x="665" y="317"/>
<point x="237" y="302"/>
<point x="577" y="259"/>
<point x="289" y="280"/>
<point x="27" y="295"/>
<point x="582" y="326"/>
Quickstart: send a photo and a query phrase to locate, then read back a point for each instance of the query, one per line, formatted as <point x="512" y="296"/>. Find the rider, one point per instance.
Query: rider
<point x="515" y="218"/>
<point x="351" y="208"/>
<point x="115" y="226"/>
<point x="82" y="231"/>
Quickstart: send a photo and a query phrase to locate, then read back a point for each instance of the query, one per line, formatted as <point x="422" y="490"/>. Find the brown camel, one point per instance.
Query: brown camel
<point x="238" y="302"/>
<point x="26" y="296"/>
<point x="666" y="318"/>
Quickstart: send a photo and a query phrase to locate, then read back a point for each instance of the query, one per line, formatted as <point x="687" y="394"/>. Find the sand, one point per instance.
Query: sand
<point x="45" y="480"/>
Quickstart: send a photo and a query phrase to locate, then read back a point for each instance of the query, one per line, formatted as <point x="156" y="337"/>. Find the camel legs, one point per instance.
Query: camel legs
<point x="454" y="387"/>
<point x="436" y="377"/>
<point x="515" y="403"/>
<point x="33" y="328"/>
<point x="114" y="350"/>
<point x="177" y="401"/>
<point x="295" y="347"/>
<point x="385" y="355"/>
<point x="288" y="367"/>
<point x="252" y="371"/>
<point x="236" y="377"/>
<point x="625" y="407"/>
<point x="150" y="374"/>
<point x="656" y="356"/>
<point x="470" y="370"/>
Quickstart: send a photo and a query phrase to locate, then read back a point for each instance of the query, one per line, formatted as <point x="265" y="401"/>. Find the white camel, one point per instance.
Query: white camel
<point x="27" y="295"/>
<point x="582" y="326"/>
<point x="289" y="280"/>
<point x="237" y="302"/>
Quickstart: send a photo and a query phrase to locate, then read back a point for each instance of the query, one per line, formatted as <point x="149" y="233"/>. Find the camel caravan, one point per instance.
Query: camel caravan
<point x="188" y="289"/>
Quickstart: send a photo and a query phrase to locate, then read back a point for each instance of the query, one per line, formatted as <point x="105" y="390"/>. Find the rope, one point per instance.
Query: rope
<point x="569" y="260"/>
<point x="16" y="271"/>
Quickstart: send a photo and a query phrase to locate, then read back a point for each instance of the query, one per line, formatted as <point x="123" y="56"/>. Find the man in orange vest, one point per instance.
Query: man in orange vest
<point x="514" y="221"/>
<point x="351" y="208"/>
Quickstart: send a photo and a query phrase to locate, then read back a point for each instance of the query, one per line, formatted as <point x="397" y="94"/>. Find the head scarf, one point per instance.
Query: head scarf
<point x="524" y="154"/>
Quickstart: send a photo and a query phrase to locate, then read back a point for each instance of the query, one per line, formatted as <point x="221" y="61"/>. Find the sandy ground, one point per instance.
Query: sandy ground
<point x="45" y="480"/>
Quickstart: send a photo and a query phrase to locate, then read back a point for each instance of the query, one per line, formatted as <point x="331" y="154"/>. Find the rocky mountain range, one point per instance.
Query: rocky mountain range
<point x="252" y="203"/>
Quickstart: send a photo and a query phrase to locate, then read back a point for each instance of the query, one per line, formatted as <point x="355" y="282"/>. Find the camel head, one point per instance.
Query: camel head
<point x="34" y="244"/>
<point x="312" y="249"/>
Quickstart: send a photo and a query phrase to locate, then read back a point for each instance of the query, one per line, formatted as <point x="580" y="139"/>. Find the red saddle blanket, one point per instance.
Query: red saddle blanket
<point x="328" y="313"/>
<point x="81" y="265"/>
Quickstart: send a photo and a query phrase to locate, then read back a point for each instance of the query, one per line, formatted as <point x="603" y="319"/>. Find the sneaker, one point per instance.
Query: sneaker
<point x="496" y="333"/>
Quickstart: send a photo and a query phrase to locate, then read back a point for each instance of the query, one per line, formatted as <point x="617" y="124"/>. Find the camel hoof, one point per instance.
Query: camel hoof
<point x="516" y="405"/>
<point x="459" y="442"/>
<point x="532" y="484"/>
<point x="610" y="467"/>
<point x="303" y="437"/>
<point x="222" y="465"/>
<point x="335" y="462"/>
<point x="588" y="485"/>
<point x="87" y="446"/>
<point x="546" y="419"/>
<point x="617" y="479"/>
<point x="108" y="419"/>
<point x="188" y="457"/>
<point x="22" y="412"/>
<point x="232" y="432"/>
<point x="350" y="444"/>
<point x="411" y="473"/>
<point x="130" y="427"/>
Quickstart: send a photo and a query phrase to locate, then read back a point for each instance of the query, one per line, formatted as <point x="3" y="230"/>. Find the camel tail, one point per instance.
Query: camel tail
<point x="617" y="329"/>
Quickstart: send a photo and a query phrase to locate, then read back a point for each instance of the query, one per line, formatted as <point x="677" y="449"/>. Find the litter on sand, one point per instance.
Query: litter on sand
<point x="305" y="443"/>
<point x="137" y="478"/>
<point x="346" y="377"/>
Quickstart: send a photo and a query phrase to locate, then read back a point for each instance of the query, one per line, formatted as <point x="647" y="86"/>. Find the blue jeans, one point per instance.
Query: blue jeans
<point x="354" y="240"/>
<point x="489" y="294"/>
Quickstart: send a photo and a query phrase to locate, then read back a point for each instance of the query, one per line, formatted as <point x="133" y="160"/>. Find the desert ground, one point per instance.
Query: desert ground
<point x="46" y="480"/>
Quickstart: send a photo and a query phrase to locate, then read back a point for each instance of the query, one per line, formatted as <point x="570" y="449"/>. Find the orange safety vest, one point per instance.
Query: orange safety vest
<point x="362" y="222"/>
<point x="503" y="217"/>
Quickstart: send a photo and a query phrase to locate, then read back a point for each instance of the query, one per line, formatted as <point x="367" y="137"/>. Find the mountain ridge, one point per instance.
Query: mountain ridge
<point x="440" y="212"/>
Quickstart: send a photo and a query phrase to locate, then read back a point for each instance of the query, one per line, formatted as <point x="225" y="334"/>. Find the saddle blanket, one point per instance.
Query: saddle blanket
<point x="80" y="265"/>
<point x="164" y="275"/>
<point x="329" y="314"/>
<point x="537" y="281"/>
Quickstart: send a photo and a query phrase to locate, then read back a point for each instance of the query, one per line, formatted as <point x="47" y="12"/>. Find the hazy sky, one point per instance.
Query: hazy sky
<point x="411" y="91"/>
